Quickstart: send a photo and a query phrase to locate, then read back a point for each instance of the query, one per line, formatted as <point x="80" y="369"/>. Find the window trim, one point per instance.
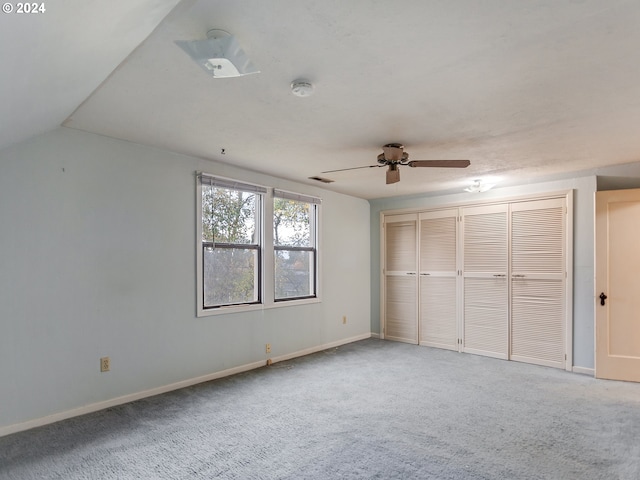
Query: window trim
<point x="266" y="252"/>
<point x="314" y="226"/>
<point x="231" y="184"/>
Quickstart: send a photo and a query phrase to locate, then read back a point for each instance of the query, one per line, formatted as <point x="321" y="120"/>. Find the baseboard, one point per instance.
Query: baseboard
<point x="319" y="348"/>
<point x="584" y="371"/>
<point x="375" y="335"/>
<point x="94" y="407"/>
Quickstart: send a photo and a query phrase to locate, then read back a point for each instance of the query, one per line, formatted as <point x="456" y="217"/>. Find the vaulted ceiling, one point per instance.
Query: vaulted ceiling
<point x="523" y="89"/>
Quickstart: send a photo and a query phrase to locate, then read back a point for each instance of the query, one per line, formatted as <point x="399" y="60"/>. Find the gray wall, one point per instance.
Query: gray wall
<point x="583" y="254"/>
<point x="97" y="258"/>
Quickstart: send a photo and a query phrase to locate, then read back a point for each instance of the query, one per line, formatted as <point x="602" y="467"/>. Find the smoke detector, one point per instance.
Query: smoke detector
<point x="301" y="88"/>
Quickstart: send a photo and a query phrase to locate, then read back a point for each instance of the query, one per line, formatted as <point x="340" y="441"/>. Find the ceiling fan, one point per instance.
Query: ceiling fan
<point x="394" y="155"/>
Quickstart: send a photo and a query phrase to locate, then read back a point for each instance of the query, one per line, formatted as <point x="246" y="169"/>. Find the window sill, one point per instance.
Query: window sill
<point x="231" y="309"/>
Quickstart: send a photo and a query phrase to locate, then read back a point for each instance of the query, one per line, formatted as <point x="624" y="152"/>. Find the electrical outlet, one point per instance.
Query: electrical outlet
<point x="105" y="364"/>
<point x="344" y="319"/>
<point x="268" y="348"/>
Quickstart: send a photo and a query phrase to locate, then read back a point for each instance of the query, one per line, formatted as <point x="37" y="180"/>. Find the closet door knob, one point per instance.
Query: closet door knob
<point x="603" y="297"/>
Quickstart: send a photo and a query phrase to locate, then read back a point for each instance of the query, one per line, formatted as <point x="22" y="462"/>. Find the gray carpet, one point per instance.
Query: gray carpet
<point x="372" y="409"/>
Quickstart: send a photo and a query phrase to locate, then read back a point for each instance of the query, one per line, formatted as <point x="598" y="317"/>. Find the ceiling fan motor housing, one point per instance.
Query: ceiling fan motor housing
<point x="394" y="152"/>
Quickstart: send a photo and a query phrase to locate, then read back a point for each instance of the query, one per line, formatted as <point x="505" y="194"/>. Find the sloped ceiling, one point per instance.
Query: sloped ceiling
<point x="522" y="89"/>
<point x="51" y="61"/>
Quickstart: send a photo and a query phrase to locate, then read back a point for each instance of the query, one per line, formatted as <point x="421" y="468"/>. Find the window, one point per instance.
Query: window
<point x="256" y="247"/>
<point x="231" y="242"/>
<point x="294" y="244"/>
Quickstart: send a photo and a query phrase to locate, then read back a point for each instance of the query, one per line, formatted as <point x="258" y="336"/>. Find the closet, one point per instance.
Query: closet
<point x="486" y="279"/>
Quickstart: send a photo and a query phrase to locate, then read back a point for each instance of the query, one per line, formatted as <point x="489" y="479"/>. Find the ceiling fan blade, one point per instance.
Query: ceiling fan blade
<point x="393" y="174"/>
<point x="353" y="168"/>
<point x="440" y="163"/>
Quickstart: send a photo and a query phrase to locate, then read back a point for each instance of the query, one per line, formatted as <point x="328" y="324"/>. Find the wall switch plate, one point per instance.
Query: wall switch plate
<point x="268" y="348"/>
<point x="105" y="364"/>
<point x="344" y="319"/>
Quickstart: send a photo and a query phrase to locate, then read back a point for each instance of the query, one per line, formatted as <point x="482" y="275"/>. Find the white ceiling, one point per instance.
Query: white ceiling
<point x="523" y="89"/>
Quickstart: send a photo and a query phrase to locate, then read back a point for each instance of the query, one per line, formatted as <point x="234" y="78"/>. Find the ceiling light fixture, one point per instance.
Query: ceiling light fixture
<point x="219" y="55"/>
<point x="301" y="88"/>
<point x="477" y="186"/>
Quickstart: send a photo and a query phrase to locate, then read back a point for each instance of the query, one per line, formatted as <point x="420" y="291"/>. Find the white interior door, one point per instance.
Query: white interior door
<point x="485" y="287"/>
<point x="618" y="284"/>
<point x="438" y="279"/>
<point x="400" y="278"/>
<point x="538" y="277"/>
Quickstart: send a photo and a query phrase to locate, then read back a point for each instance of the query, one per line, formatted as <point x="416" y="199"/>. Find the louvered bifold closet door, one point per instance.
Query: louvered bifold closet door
<point x="438" y="279"/>
<point x="401" y="280"/>
<point x="538" y="230"/>
<point x="485" y="285"/>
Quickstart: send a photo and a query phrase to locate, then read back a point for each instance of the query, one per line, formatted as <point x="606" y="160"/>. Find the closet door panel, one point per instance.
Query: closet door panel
<point x="438" y="246"/>
<point x="400" y="246"/>
<point x="537" y="325"/>
<point x="438" y="303"/>
<point x="438" y="281"/>
<point x="486" y="289"/>
<point x="538" y="230"/>
<point x="400" y="278"/>
<point x="486" y="329"/>
<point x="485" y="240"/>
<point x="400" y="315"/>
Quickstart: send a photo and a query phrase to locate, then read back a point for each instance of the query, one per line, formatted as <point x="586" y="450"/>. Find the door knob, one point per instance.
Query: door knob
<point x="603" y="297"/>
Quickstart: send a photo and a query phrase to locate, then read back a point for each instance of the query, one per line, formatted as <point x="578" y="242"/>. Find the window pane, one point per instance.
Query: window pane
<point x="291" y="223"/>
<point x="228" y="216"/>
<point x="294" y="274"/>
<point x="230" y="276"/>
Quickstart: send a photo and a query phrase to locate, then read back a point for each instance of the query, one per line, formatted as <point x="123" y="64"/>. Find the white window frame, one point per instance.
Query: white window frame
<point x="267" y="256"/>
<point x="314" y="215"/>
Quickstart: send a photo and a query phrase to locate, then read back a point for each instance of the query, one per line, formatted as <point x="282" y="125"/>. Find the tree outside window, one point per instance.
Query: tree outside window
<point x="294" y="248"/>
<point x="232" y="261"/>
<point x="231" y="246"/>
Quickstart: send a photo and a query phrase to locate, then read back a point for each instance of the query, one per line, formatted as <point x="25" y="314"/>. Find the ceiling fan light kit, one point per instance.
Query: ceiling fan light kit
<point x="393" y="174"/>
<point x="478" y="187"/>
<point x="220" y="55"/>
<point x="393" y="156"/>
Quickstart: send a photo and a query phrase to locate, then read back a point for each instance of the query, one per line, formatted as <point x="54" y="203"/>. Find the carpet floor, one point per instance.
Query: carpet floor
<point x="370" y="409"/>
